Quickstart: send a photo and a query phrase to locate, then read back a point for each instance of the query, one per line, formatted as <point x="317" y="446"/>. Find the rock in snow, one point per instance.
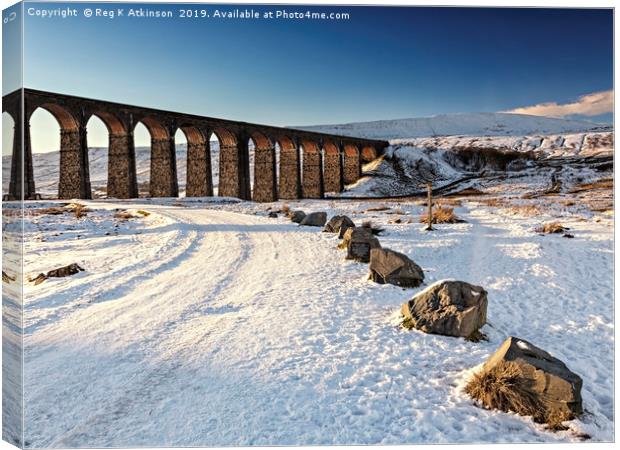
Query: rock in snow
<point x="388" y="266"/>
<point x="451" y="308"/>
<point x="520" y="377"/>
<point x="315" y="219"/>
<point x="339" y="224"/>
<point x="359" y="241"/>
<point x="297" y="216"/>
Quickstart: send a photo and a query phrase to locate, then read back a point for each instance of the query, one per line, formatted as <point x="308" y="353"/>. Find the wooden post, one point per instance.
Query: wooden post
<point x="429" y="201"/>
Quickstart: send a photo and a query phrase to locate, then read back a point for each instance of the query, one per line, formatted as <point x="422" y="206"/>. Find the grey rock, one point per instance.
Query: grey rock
<point x="296" y="216"/>
<point x="315" y="219"/>
<point x="554" y="388"/>
<point x="388" y="266"/>
<point x="359" y="241"/>
<point x="450" y="308"/>
<point x="339" y="224"/>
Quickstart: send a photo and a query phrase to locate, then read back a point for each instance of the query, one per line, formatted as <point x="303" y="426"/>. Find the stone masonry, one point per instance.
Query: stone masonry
<point x="265" y="188"/>
<point x="289" y="174"/>
<point x="332" y="172"/>
<point x="351" y="168"/>
<point x="163" y="168"/>
<point x="312" y="186"/>
<point x="199" y="179"/>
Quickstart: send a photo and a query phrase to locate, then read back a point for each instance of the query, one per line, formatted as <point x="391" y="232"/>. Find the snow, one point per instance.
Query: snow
<point x="211" y="324"/>
<point x="206" y="323"/>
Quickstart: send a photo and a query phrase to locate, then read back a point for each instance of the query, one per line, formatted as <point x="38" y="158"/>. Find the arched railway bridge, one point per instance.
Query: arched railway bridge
<point x="311" y="163"/>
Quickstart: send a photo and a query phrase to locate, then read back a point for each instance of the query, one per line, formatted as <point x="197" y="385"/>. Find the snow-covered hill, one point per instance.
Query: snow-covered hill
<point x="468" y="124"/>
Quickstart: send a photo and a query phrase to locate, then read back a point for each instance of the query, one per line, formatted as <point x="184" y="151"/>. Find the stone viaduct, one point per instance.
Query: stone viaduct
<point x="311" y="163"/>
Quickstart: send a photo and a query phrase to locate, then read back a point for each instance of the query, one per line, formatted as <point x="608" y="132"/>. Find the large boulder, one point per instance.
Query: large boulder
<point x="296" y="216"/>
<point x="358" y="242"/>
<point x="339" y="224"/>
<point x="451" y="308"/>
<point x="388" y="266"/>
<point x="522" y="378"/>
<point x="315" y="219"/>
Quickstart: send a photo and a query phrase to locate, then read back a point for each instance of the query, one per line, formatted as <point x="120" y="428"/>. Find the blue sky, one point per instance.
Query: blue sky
<point x="382" y="63"/>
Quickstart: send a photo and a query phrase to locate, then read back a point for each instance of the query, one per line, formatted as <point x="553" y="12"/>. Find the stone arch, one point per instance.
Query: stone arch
<point x="111" y="121"/>
<point x="98" y="152"/>
<point x="332" y="167"/>
<point x="73" y="179"/>
<point x="265" y="187"/>
<point x="199" y="179"/>
<point x="163" y="176"/>
<point x="351" y="165"/>
<point x="225" y="137"/>
<point x="10" y="147"/>
<point x="312" y="170"/>
<point x="290" y="175"/>
<point x="369" y="154"/>
<point x="122" y="175"/>
<point x="66" y="120"/>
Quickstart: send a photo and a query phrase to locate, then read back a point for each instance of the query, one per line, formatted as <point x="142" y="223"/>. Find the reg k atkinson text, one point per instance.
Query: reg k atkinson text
<point x="183" y="13"/>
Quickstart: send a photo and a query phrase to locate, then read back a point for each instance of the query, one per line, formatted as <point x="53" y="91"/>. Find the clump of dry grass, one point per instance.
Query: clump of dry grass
<point x="454" y="202"/>
<point x="493" y="202"/>
<point x="53" y="211"/>
<point x="79" y="210"/>
<point x="143" y="213"/>
<point x="374" y="229"/>
<point x="123" y="215"/>
<point x="605" y="183"/>
<point x="441" y="215"/>
<point x="285" y="209"/>
<point x="551" y="228"/>
<point x="6" y="278"/>
<point x="503" y="387"/>
<point x="523" y="210"/>
<point x="378" y="208"/>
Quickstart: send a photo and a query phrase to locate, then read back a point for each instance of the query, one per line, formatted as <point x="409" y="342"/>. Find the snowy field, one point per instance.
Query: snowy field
<point x="204" y="322"/>
<point x="208" y="323"/>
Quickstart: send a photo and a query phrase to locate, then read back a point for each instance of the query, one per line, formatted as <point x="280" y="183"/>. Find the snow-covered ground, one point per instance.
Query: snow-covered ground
<point x="207" y="323"/>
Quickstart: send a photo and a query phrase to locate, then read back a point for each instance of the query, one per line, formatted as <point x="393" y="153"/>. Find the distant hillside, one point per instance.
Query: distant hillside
<point x="466" y="124"/>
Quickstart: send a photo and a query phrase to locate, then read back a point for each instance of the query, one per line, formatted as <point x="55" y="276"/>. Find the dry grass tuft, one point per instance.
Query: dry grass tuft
<point x="123" y="215"/>
<point x="493" y="202"/>
<point x="80" y="210"/>
<point x="606" y="183"/>
<point x="551" y="228"/>
<point x="378" y="208"/>
<point x="504" y="388"/>
<point x="374" y="229"/>
<point x="445" y="201"/>
<point x="143" y="213"/>
<point x="523" y="210"/>
<point x="53" y="211"/>
<point x="285" y="209"/>
<point x="6" y="278"/>
<point x="441" y="215"/>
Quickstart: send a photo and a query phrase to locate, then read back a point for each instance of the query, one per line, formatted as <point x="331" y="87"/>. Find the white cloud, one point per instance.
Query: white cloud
<point x="587" y="105"/>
